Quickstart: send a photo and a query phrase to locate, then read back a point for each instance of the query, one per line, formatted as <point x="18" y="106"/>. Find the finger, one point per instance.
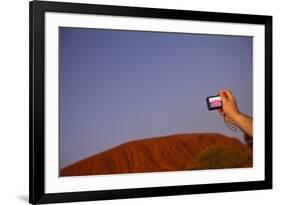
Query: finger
<point x="221" y="112"/>
<point x="220" y="93"/>
<point x="223" y="96"/>
<point x="229" y="94"/>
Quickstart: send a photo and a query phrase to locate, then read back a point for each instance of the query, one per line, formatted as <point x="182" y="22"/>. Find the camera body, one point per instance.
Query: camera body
<point x="214" y="102"/>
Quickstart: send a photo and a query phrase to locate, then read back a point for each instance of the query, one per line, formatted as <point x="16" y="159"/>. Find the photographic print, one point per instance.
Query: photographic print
<point x="134" y="101"/>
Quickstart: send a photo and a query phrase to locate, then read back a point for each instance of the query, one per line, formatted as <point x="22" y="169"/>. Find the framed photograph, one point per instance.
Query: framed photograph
<point x="130" y="102"/>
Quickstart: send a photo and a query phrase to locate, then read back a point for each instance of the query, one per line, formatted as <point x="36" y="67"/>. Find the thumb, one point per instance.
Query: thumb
<point x="223" y="96"/>
<point x="228" y="94"/>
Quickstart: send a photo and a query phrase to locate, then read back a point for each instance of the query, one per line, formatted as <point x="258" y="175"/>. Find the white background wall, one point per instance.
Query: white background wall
<point x="14" y="100"/>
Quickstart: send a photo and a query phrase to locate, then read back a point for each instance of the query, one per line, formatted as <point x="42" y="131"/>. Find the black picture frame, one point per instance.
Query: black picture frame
<point x="37" y="194"/>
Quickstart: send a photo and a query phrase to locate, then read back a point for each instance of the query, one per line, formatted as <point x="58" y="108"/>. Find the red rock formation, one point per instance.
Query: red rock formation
<point x="168" y="153"/>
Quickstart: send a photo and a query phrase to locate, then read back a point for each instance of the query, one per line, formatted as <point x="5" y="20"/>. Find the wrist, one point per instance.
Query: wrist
<point x="237" y="118"/>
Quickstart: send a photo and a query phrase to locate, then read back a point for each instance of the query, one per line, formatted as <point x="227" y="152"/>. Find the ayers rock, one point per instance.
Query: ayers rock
<point x="168" y="153"/>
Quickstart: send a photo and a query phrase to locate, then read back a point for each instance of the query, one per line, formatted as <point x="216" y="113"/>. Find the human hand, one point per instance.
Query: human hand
<point x="231" y="113"/>
<point x="229" y="108"/>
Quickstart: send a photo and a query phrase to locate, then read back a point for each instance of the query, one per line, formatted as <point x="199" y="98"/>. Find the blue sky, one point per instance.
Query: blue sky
<point x="117" y="86"/>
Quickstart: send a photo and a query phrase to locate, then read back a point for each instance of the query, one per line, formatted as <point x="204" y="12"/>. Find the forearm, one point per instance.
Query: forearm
<point x="244" y="123"/>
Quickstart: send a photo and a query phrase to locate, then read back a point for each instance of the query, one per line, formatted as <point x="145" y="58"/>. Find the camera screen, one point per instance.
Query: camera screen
<point x="214" y="102"/>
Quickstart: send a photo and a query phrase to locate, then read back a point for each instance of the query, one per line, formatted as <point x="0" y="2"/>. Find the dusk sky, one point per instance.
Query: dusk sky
<point x="118" y="86"/>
